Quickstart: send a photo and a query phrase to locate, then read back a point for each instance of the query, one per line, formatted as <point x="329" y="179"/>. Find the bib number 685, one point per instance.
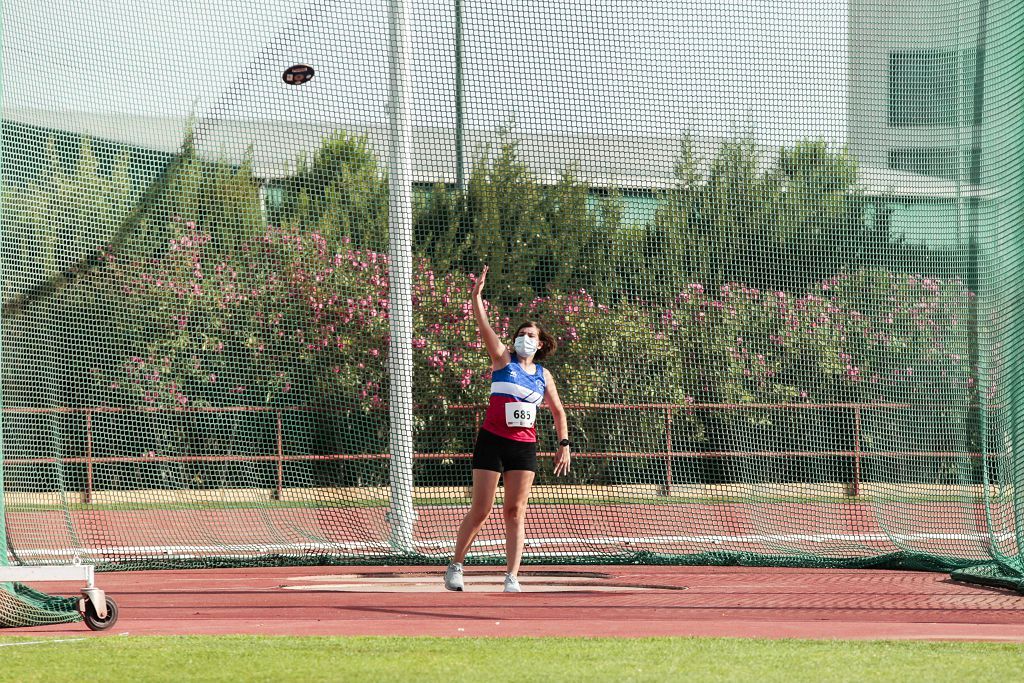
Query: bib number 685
<point x="519" y="414"/>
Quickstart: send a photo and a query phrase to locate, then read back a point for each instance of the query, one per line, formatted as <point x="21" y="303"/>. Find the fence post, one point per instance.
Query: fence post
<point x="856" y="450"/>
<point x="666" y="489"/>
<point x="279" y="490"/>
<point x="88" y="456"/>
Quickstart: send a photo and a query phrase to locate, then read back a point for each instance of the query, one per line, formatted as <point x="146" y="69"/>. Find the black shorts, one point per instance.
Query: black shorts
<point x="498" y="454"/>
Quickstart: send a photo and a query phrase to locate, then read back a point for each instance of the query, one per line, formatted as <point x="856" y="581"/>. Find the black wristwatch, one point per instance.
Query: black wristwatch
<point x="565" y="442"/>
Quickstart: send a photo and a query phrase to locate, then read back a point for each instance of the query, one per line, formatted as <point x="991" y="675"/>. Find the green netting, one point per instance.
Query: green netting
<point x="21" y="605"/>
<point x="778" y="245"/>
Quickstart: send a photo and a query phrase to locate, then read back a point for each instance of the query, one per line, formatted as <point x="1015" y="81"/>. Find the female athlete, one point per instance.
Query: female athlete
<point x="507" y="442"/>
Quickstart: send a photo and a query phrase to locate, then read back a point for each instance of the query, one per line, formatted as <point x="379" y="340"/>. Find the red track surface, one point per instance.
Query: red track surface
<point x="842" y="531"/>
<point x="717" y="601"/>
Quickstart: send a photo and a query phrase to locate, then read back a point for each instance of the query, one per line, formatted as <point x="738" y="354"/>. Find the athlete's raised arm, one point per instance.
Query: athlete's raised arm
<point x="495" y="348"/>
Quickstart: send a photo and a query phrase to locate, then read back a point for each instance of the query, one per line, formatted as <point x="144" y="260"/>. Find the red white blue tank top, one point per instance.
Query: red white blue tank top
<point x="511" y="384"/>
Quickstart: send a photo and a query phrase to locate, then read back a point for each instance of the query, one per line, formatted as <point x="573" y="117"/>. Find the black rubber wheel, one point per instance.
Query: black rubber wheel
<point x="94" y="622"/>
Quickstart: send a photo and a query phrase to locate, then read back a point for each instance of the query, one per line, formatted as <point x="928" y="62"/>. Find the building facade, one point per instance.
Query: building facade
<point x="914" y="107"/>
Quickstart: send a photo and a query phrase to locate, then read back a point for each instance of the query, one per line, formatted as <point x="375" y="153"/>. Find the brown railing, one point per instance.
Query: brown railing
<point x="279" y="457"/>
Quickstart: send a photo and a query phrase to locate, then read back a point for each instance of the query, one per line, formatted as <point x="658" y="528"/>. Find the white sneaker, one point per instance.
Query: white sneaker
<point x="453" y="577"/>
<point x="512" y="584"/>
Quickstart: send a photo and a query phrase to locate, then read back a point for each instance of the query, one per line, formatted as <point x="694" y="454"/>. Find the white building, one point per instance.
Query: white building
<point x="914" y="106"/>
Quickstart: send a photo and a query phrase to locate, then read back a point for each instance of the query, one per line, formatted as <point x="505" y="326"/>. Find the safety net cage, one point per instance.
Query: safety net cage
<point x="777" y="244"/>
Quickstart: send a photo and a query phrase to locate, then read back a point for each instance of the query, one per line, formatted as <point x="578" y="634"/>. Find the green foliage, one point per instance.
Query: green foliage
<point x="231" y="312"/>
<point x="536" y="239"/>
<point x="55" y="217"/>
<point x="781" y="225"/>
<point x="340" y="193"/>
<point x="504" y="210"/>
<point x="441" y="233"/>
<point x="63" y="213"/>
<point x="575" y="252"/>
<point x="221" y="197"/>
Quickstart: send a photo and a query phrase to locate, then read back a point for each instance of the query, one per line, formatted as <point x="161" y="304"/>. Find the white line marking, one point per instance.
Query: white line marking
<point x="241" y="550"/>
<point x="43" y="642"/>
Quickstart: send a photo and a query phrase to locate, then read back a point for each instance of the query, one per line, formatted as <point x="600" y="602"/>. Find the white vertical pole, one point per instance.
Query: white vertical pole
<point x="460" y="104"/>
<point x="3" y="505"/>
<point x="401" y="514"/>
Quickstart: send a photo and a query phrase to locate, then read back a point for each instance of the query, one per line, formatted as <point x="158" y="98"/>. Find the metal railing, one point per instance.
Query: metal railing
<point x="279" y="457"/>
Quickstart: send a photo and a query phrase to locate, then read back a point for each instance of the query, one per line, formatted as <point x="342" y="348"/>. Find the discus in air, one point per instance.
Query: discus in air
<point x="298" y="74"/>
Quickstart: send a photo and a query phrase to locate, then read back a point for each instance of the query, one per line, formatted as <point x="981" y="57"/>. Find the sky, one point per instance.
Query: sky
<point x="774" y="69"/>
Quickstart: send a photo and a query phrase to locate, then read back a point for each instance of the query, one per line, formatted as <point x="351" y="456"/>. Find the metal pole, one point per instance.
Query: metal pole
<point x="401" y="514"/>
<point x="668" y="452"/>
<point x="88" y="456"/>
<point x="460" y="140"/>
<point x="279" y="482"/>
<point x="856" y="451"/>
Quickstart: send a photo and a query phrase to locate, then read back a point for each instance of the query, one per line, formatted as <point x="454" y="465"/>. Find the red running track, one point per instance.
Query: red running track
<point x="559" y="601"/>
<point x="832" y="530"/>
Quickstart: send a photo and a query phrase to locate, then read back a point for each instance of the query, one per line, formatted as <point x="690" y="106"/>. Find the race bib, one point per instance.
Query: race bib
<point x="520" y="414"/>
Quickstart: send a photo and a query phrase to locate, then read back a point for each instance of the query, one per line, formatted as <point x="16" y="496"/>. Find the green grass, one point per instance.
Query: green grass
<point x="279" y="659"/>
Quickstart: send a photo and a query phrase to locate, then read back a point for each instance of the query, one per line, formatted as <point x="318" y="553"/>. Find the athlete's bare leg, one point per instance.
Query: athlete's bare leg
<point x="517" y="490"/>
<point x="485" y="485"/>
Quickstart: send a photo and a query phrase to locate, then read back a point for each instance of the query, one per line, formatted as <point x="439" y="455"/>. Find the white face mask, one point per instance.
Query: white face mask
<point x="526" y="346"/>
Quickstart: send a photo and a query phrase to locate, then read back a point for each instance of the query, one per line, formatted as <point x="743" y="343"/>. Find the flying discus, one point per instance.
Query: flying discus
<point x="298" y="74"/>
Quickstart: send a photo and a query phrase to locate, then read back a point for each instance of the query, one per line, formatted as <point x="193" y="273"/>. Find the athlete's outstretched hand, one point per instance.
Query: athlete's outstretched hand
<point x="478" y="286"/>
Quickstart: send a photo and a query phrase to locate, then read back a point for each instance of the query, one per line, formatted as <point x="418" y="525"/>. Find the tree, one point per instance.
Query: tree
<point x="780" y="225"/>
<point x="342" y="194"/>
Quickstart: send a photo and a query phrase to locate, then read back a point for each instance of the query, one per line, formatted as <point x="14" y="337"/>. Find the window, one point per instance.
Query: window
<point x="273" y="195"/>
<point x="942" y="162"/>
<point x="934" y="88"/>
